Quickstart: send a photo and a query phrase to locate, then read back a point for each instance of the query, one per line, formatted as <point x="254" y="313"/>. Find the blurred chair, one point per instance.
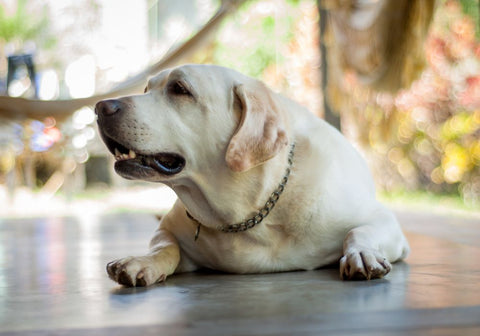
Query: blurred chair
<point x="15" y="63"/>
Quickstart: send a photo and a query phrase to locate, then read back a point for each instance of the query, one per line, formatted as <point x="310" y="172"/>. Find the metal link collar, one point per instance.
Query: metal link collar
<point x="263" y="212"/>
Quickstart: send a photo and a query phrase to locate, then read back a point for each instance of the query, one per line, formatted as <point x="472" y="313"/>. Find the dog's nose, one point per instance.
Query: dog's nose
<point x="108" y="107"/>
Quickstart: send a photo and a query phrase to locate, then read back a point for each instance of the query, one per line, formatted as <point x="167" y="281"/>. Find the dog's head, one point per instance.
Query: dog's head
<point x="189" y="119"/>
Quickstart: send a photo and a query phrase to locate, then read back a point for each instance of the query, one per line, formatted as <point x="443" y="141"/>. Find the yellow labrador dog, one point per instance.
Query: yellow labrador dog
<point x="263" y="185"/>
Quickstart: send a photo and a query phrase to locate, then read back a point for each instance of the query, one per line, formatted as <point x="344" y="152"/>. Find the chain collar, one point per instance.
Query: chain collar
<point x="263" y="212"/>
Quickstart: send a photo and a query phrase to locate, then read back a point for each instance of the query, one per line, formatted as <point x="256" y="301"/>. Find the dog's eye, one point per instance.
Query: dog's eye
<point x="178" y="88"/>
<point x="145" y="90"/>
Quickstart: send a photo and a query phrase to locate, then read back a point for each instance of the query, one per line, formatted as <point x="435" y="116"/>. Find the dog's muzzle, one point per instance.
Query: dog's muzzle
<point x="131" y="163"/>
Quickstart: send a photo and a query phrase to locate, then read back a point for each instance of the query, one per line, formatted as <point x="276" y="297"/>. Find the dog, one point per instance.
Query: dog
<point x="263" y="185"/>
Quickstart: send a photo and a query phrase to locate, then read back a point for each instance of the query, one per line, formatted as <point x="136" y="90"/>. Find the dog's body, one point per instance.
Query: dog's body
<point x="222" y="141"/>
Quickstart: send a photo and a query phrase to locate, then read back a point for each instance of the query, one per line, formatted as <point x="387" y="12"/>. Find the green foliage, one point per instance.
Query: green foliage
<point x="472" y="8"/>
<point x="424" y="200"/>
<point x="293" y="3"/>
<point x="24" y="25"/>
<point x="251" y="42"/>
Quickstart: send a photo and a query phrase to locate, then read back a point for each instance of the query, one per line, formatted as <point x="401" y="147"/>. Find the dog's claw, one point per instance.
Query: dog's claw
<point x="124" y="279"/>
<point x="134" y="272"/>
<point x="363" y="265"/>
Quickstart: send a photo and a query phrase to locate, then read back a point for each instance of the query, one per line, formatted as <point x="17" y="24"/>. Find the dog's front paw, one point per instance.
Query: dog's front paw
<point x="135" y="271"/>
<point x="363" y="264"/>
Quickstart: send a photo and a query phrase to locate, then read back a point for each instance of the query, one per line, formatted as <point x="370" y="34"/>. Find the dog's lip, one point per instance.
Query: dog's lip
<point x="165" y="163"/>
<point x="115" y="147"/>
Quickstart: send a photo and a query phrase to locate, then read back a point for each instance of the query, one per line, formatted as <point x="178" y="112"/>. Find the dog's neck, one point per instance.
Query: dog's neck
<point x="206" y="201"/>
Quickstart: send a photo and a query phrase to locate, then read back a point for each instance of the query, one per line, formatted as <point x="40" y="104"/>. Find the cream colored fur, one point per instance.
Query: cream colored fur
<point x="234" y="134"/>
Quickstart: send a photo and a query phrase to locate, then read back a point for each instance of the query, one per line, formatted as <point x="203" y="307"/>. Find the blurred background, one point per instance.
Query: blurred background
<point x="406" y="93"/>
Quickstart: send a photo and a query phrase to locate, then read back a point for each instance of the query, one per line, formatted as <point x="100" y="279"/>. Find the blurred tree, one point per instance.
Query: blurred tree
<point x="277" y="42"/>
<point x="426" y="136"/>
<point x="330" y="115"/>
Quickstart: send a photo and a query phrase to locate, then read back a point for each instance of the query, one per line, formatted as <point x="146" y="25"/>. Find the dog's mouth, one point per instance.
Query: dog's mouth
<point x="132" y="164"/>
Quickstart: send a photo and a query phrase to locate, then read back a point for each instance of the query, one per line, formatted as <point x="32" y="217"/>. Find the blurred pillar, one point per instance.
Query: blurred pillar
<point x="30" y="171"/>
<point x="331" y="116"/>
<point x="98" y="171"/>
<point x="11" y="181"/>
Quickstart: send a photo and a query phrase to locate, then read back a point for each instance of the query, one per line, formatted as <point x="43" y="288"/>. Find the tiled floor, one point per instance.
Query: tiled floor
<point x="52" y="281"/>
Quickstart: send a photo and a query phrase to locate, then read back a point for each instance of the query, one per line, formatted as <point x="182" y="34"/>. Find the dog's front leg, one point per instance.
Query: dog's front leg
<point x="146" y="270"/>
<point x="369" y="249"/>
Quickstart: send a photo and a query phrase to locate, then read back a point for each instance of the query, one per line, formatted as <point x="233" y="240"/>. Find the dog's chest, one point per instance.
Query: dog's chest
<point x="268" y="249"/>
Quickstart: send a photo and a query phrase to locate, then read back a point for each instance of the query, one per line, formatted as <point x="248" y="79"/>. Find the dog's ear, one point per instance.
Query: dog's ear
<point x="260" y="134"/>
